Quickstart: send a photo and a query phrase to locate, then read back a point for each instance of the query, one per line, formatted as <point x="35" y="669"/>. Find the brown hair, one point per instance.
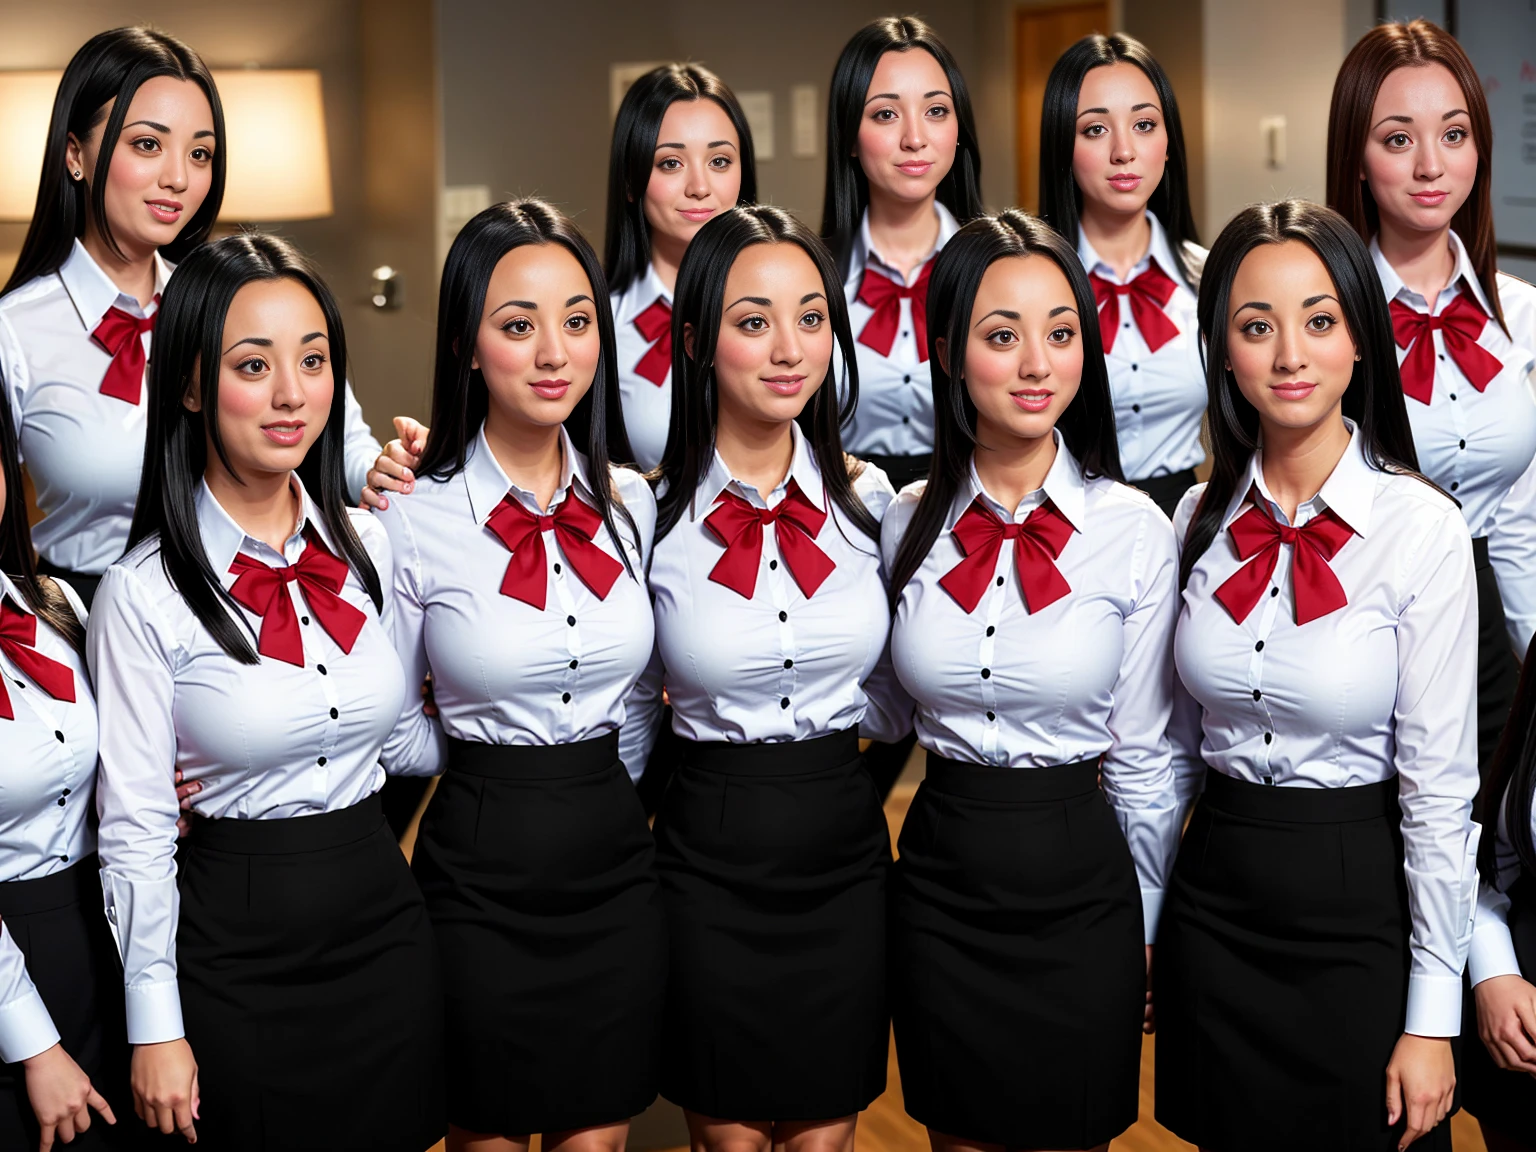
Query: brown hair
<point x="1377" y="54"/>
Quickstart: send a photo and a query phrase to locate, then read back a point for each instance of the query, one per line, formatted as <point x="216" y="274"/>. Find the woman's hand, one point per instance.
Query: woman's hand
<point x="1421" y="1079"/>
<point x="62" y="1096"/>
<point x="1506" y="1020"/>
<point x="394" y="471"/>
<point x="184" y="793"/>
<point x="165" y="1092"/>
<point x="1149" y="1017"/>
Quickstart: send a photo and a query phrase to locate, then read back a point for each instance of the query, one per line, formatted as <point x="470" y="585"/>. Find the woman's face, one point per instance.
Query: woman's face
<point x="908" y="134"/>
<point x="696" y="171"/>
<point x="538" y="344"/>
<point x="1024" y="351"/>
<point x="774" y="348"/>
<point x="1420" y="159"/>
<point x="1121" y="146"/>
<point x="162" y="163"/>
<point x="275" y="378"/>
<point x="1287" y="345"/>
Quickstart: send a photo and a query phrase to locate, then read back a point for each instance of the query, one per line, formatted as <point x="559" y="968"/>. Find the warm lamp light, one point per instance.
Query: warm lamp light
<point x="279" y="165"/>
<point x="26" y="103"/>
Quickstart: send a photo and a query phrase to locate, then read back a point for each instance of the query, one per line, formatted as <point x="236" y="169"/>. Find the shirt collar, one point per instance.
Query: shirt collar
<point x="488" y="485"/>
<point x="641" y="295"/>
<point x="864" y="254"/>
<point x="802" y="470"/>
<point x="92" y="291"/>
<point x="223" y="539"/>
<point x="1349" y="491"/>
<point x="1394" y="287"/>
<point x="1063" y="487"/>
<point x="1157" y="250"/>
<point x="9" y="591"/>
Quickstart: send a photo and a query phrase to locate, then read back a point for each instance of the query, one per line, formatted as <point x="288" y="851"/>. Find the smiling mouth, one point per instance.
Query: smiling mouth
<point x="1032" y="401"/>
<point x="551" y="389"/>
<point x="696" y="214"/>
<point x="1430" y="198"/>
<point x="166" y="211"/>
<point x="784" y="385"/>
<point x="286" y="435"/>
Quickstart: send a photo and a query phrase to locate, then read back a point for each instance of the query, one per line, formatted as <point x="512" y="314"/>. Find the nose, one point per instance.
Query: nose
<point x="173" y="171"/>
<point x="551" y="353"/>
<point x="696" y="185"/>
<point x="787" y="351"/>
<point x="1034" y="364"/>
<point x="1290" y="350"/>
<point x="914" y="133"/>
<point x="287" y="388"/>
<point x="1428" y="161"/>
<point x="1122" y="147"/>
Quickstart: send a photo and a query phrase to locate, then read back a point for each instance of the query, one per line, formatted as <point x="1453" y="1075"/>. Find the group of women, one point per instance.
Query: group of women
<point x="1215" y="775"/>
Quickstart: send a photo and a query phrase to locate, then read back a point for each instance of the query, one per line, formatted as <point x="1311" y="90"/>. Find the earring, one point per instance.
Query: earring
<point x="78" y="173"/>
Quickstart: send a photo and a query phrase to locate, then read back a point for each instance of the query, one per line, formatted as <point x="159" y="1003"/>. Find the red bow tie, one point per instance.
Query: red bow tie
<point x="1149" y="294"/>
<point x="1037" y="543"/>
<point x="884" y="295"/>
<point x="796" y="523"/>
<point x="1257" y="536"/>
<point x="1460" y="324"/>
<point x="522" y="531"/>
<point x="18" y="640"/>
<point x="320" y="575"/>
<point x="122" y="336"/>
<point x="655" y="324"/>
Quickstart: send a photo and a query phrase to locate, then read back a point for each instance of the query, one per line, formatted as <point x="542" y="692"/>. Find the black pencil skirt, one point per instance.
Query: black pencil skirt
<point x="1018" y="968"/>
<point x="1280" y="975"/>
<point x="539" y="873"/>
<point x="58" y="924"/>
<point x="1498" y="672"/>
<point x="773" y="861"/>
<point x="1503" y="1101"/>
<point x="309" y="986"/>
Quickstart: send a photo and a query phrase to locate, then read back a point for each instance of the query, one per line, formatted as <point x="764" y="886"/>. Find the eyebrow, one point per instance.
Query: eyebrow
<point x="897" y="95"/>
<point x="162" y="128"/>
<point x="760" y="301"/>
<point x="809" y="296"/>
<point x="1398" y="118"/>
<point x="517" y="304"/>
<point x="1259" y="304"/>
<point x="1058" y="311"/>
<point x="264" y="342"/>
<point x="1318" y="299"/>
<point x="683" y="147"/>
<point x="577" y="299"/>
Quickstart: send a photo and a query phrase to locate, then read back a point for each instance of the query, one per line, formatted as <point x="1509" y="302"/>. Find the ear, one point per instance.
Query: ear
<point x="689" y="340"/>
<point x="941" y="350"/>
<point x="74" y="158"/>
<point x="192" y="398"/>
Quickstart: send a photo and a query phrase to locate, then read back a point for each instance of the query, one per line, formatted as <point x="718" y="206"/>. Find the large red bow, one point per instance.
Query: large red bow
<point x="1257" y="536"/>
<point x="1149" y="294"/>
<point x="1037" y="543"/>
<point x="574" y="523"/>
<point x="122" y="336"/>
<point x="320" y="575"/>
<point x="796" y="523"/>
<point x="655" y="324"/>
<point x="18" y="640"/>
<point x="1460" y="324"/>
<point x="884" y="295"/>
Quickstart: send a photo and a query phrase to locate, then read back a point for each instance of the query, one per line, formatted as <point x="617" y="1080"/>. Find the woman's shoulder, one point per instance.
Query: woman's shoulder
<point x="871" y="485"/>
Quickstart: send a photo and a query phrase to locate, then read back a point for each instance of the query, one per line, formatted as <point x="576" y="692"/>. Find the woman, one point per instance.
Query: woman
<point x="1019" y="977"/>
<point x="133" y="176"/>
<point x="1113" y="175"/>
<point x="1409" y="155"/>
<point x="536" y="862"/>
<point x="771" y="637"/>
<point x="244" y="640"/>
<point x="1308" y="974"/>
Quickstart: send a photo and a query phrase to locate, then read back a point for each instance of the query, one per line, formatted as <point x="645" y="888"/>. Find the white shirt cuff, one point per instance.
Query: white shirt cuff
<point x="1434" y="1006"/>
<point x="1151" y="910"/>
<point x="1492" y="953"/>
<point x="154" y="1013"/>
<point x="26" y="1028"/>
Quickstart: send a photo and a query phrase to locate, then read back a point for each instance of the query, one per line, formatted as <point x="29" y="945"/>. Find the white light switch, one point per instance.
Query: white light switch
<point x="758" y="107"/>
<point x="1272" y="131"/>
<point x="803" y="120"/>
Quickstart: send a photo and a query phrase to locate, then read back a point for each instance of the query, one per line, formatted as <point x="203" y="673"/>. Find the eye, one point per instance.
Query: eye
<point x="1094" y="131"/>
<point x="1322" y="322"/>
<point x="252" y="366"/>
<point x="884" y="115"/>
<point x="754" y="324"/>
<point x="1146" y="125"/>
<point x="1456" y="135"/>
<point x="1002" y="337"/>
<point x="1257" y="328"/>
<point x="939" y="111"/>
<point x="147" y="145"/>
<point x="669" y="164"/>
<point x="812" y="320"/>
<point x="202" y="155"/>
<point x="1062" y="334"/>
<point x="313" y="362"/>
<point x="1398" y="140"/>
<point x="720" y="163"/>
<point x="579" y="323"/>
<point x="518" y="326"/>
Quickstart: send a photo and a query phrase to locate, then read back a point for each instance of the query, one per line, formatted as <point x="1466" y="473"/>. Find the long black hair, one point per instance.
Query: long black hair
<point x="847" y="189"/>
<point x="460" y="398"/>
<point x="189" y="342"/>
<point x="1512" y="777"/>
<point x="700" y="302"/>
<point x="43" y="597"/>
<point x="1087" y="424"/>
<point x="1061" y="201"/>
<point x="1374" y="398"/>
<point x="627" y="248"/>
<point x="110" y="66"/>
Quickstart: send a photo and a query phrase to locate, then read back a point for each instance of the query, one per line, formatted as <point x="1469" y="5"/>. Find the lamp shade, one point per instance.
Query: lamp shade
<point x="26" y="103"/>
<point x="279" y="164"/>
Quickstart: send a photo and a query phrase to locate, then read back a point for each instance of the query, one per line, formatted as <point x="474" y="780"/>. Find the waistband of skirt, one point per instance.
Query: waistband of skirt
<point x="533" y="761"/>
<point x="1480" y="553"/>
<point x="290" y="834"/>
<point x="80" y="883"/>
<point x="1300" y="805"/>
<point x="787" y="758"/>
<point x="1012" y="785"/>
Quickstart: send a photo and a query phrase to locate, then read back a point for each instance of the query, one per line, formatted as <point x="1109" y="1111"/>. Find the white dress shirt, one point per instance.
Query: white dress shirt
<point x="1159" y="396"/>
<point x="1493" y="948"/>
<point x="895" y="412"/>
<point x="47" y="774"/>
<point x="85" y="450"/>
<point x="1384" y="686"/>
<point x="267" y="741"/>
<point x="647" y="406"/>
<point x="1480" y="446"/>
<point x="1090" y="675"/>
<point x="556" y="676"/>
<point x="780" y="666"/>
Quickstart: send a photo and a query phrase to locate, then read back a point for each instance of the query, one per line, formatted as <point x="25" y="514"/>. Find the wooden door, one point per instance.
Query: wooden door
<point x="1040" y="36"/>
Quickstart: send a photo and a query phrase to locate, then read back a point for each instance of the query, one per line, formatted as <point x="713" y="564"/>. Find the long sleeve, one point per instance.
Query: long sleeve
<point x="1185" y="730"/>
<point x="889" y="713"/>
<point x="417" y="745"/>
<point x="1436" y="757"/>
<point x="26" y="1028"/>
<point x="133" y="655"/>
<point x="362" y="447"/>
<point x="1512" y="552"/>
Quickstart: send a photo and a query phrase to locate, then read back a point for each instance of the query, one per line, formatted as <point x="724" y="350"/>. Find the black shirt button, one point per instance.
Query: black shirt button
<point x="991" y="629"/>
<point x="904" y="335"/>
<point x="1134" y="367"/>
<point x="565" y="697"/>
<point x="320" y="668"/>
<point x="1453" y="395"/>
<point x="1455" y="484"/>
<point x="1268" y="737"/>
<point x="65" y="792"/>
<point x="1127" y="324"/>
<point x="773" y="565"/>
<point x="21" y="683"/>
<point x="61" y="801"/>
<point x="906" y="379"/>
<point x="1259" y="647"/>
<point x="783" y="616"/>
<point x="991" y="715"/>
<point x="304" y="619"/>
<point x="335" y="714"/>
<point x="321" y="761"/>
<point x="789" y="663"/>
<point x="574" y="663"/>
<point x="906" y="419"/>
<point x="571" y="620"/>
<point x="64" y="858"/>
<point x="1274" y="591"/>
<point x="557" y="567"/>
<point x="1135" y="407"/>
<point x="1442" y="355"/>
<point x="1461" y="443"/>
<point x="999" y="581"/>
<point x="1257" y="694"/>
<point x="59" y="736"/>
<point x="784" y="703"/>
<point x="986" y="673"/>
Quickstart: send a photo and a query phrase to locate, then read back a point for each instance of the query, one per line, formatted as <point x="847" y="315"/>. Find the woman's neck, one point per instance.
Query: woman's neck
<point x="1298" y="461"/>
<point x="530" y="454"/>
<point x="266" y="506"/>
<point x="1423" y="260"/>
<point x="1011" y="467"/>
<point x="903" y="232"/>
<point x="667" y="257"/>
<point x="755" y="452"/>
<point x="1122" y="239"/>
<point x="134" y="275"/>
